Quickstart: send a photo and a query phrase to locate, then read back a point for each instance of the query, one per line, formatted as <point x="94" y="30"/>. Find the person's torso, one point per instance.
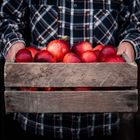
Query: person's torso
<point x="93" y="20"/>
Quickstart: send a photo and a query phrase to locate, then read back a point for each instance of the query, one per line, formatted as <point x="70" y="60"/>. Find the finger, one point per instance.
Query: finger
<point x="10" y="57"/>
<point x="126" y="58"/>
<point x="13" y="50"/>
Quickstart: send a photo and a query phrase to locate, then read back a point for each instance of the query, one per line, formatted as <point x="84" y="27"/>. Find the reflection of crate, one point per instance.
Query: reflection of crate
<point x="122" y="96"/>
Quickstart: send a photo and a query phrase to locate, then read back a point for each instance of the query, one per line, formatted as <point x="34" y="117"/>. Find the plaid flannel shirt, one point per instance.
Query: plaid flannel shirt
<point x="36" y="22"/>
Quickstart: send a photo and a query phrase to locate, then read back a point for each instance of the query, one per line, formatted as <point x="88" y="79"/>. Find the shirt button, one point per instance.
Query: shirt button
<point x="57" y="129"/>
<point x="88" y="11"/>
<point x="75" y="5"/>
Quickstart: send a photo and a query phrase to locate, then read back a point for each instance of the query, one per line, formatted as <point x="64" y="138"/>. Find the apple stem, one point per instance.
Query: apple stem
<point x="66" y="38"/>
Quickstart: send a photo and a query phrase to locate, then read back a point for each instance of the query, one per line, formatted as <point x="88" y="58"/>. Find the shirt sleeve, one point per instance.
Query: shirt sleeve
<point x="11" y="14"/>
<point x="130" y="24"/>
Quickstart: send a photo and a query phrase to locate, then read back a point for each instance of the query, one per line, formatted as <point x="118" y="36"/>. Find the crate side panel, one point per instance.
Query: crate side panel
<point x="70" y="101"/>
<point x="70" y="75"/>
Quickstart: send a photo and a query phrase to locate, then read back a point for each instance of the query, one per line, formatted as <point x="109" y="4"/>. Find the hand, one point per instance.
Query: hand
<point x="127" y="48"/>
<point x="13" y="50"/>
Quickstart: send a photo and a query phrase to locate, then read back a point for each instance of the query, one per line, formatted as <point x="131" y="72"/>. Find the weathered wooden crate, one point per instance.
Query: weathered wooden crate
<point x="121" y="77"/>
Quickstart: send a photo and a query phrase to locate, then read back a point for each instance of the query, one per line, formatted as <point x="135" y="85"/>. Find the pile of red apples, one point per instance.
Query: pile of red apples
<point x="60" y="51"/>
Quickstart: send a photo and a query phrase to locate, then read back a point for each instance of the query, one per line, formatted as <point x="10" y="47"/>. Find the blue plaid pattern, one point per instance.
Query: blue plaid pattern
<point x="69" y="125"/>
<point x="36" y="22"/>
<point x="97" y="21"/>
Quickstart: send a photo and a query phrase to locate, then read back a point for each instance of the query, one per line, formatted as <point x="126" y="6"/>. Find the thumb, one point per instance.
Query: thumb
<point x="126" y="48"/>
<point x="10" y="57"/>
<point x="120" y="50"/>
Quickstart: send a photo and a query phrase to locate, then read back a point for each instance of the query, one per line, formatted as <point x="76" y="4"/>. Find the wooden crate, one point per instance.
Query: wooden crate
<point x="121" y="77"/>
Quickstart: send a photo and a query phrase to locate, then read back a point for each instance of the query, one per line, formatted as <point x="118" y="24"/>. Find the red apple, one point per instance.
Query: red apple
<point x="58" y="48"/>
<point x="88" y="56"/>
<point x="23" y="55"/>
<point x="82" y="88"/>
<point x="97" y="53"/>
<point x="66" y="89"/>
<point x="44" y="48"/>
<point x="98" y="47"/>
<point x="106" y="52"/>
<point x="48" y="88"/>
<point x="71" y="58"/>
<point x="44" y="56"/>
<point x="33" y="50"/>
<point x="116" y="58"/>
<point x="81" y="47"/>
<point x="28" y="88"/>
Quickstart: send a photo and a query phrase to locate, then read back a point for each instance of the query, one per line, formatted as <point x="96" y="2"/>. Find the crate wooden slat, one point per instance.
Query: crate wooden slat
<point x="71" y="75"/>
<point x="58" y="101"/>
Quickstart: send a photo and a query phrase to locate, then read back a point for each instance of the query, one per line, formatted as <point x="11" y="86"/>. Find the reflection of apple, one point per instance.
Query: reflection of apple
<point x="71" y="58"/>
<point x="23" y="55"/>
<point x="48" y="88"/>
<point x="82" y="88"/>
<point x="28" y="88"/>
<point x="81" y="47"/>
<point x="44" y="56"/>
<point x="58" y="48"/>
<point x="66" y="89"/>
<point x="88" y="56"/>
